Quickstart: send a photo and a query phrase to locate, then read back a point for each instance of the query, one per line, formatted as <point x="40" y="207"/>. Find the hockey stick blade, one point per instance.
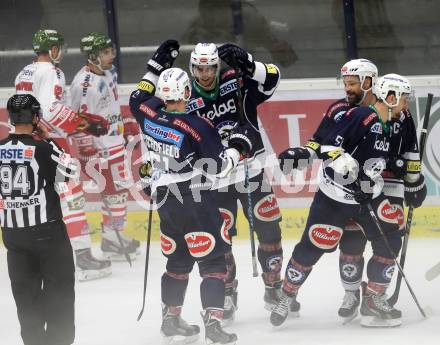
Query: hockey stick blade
<point x="433" y="272"/>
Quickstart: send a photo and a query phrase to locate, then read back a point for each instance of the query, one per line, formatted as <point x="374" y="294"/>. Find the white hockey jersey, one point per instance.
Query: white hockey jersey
<point x="98" y="95"/>
<point x="47" y="84"/>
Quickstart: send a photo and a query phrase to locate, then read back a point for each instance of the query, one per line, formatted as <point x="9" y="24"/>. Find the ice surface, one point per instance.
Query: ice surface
<point x="106" y="310"/>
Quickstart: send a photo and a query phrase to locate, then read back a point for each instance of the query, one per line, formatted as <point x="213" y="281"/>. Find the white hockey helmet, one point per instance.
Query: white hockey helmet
<point x="362" y="68"/>
<point x="204" y="54"/>
<point x="173" y="85"/>
<point x="392" y="83"/>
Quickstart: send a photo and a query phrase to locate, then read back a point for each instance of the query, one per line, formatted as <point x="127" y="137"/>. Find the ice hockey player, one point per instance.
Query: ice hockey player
<point x="45" y="80"/>
<point x="214" y="97"/>
<point x="364" y="141"/>
<point x="405" y="168"/>
<point x="39" y="254"/>
<point x="94" y="90"/>
<point x="192" y="228"/>
<point x="359" y="77"/>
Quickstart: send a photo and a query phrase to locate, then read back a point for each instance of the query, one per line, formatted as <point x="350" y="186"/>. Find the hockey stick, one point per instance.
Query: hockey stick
<point x="395" y="296"/>
<point x="123" y="248"/>
<point x="391" y="251"/>
<point x="147" y="257"/>
<point x="433" y="272"/>
<point x="246" y="173"/>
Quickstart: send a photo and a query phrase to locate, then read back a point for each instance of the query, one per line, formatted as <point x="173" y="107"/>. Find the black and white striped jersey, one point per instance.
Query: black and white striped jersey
<point x="30" y="171"/>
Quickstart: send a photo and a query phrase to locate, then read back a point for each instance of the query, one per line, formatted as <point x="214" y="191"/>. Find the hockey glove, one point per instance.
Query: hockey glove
<point x="131" y="129"/>
<point x="363" y="189"/>
<point x="415" y="193"/>
<point x="398" y="166"/>
<point x="241" y="139"/>
<point x="145" y="174"/>
<point x="293" y="158"/>
<point x="164" y="57"/>
<point x="237" y="57"/>
<point x="93" y="124"/>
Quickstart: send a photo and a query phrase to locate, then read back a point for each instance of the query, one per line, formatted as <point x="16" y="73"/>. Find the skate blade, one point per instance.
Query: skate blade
<point x="348" y="319"/>
<point x="375" y="322"/>
<point x="293" y="314"/>
<point x="179" y="339"/>
<point x="210" y="342"/>
<point x="115" y="257"/>
<point x="227" y="322"/>
<point x="269" y="306"/>
<point x="89" y="275"/>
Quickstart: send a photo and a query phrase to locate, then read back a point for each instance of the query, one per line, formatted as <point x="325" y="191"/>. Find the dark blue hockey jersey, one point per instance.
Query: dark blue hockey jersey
<point x="180" y="147"/>
<point x="403" y="143"/>
<point x="220" y="106"/>
<point x="363" y="135"/>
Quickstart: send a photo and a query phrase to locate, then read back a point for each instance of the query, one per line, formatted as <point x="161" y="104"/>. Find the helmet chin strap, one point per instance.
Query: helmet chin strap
<point x="57" y="59"/>
<point x="364" y="91"/>
<point x="98" y="65"/>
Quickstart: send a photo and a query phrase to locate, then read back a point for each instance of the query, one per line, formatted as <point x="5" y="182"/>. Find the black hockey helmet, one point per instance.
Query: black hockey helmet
<point x="23" y="108"/>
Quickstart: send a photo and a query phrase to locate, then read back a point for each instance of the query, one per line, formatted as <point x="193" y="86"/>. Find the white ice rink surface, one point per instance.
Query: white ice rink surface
<point x="106" y="310"/>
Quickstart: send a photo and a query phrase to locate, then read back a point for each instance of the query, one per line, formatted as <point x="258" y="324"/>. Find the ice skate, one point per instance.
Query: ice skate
<point x="231" y="298"/>
<point x="112" y="249"/>
<point x="281" y="310"/>
<point x="214" y="333"/>
<point x="350" y="305"/>
<point x="89" y="267"/>
<point x="272" y="295"/>
<point x="376" y="312"/>
<point x="176" y="330"/>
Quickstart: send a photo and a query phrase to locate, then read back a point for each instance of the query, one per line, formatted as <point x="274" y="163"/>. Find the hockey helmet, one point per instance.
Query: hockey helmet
<point x="362" y="68"/>
<point x="392" y="83"/>
<point x="173" y="85"/>
<point x="93" y="43"/>
<point x="44" y="40"/>
<point x="22" y="109"/>
<point x="204" y="54"/>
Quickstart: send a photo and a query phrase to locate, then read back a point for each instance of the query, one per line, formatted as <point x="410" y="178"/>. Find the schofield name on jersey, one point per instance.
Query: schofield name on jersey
<point x="14" y="153"/>
<point x="156" y="146"/>
<point x="228" y="87"/>
<point x="223" y="108"/>
<point x="163" y="133"/>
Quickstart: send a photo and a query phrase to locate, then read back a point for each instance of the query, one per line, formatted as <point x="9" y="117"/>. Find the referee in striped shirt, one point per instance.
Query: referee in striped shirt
<point x="39" y="254"/>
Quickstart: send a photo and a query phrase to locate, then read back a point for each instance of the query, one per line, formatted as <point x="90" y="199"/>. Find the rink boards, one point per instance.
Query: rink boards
<point x="288" y="119"/>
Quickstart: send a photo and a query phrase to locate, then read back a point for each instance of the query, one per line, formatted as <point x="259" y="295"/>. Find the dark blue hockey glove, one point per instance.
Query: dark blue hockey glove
<point x="241" y="138"/>
<point x="145" y="174"/>
<point x="292" y="158"/>
<point x="415" y="193"/>
<point x="363" y="189"/>
<point x="164" y="57"/>
<point x="235" y="56"/>
<point x="398" y="166"/>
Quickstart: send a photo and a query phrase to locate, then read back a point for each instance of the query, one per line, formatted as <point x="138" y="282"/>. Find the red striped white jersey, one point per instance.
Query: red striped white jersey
<point x="47" y="84"/>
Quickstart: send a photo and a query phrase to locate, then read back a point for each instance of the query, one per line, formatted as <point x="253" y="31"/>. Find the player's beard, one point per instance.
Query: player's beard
<point x="353" y="98"/>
